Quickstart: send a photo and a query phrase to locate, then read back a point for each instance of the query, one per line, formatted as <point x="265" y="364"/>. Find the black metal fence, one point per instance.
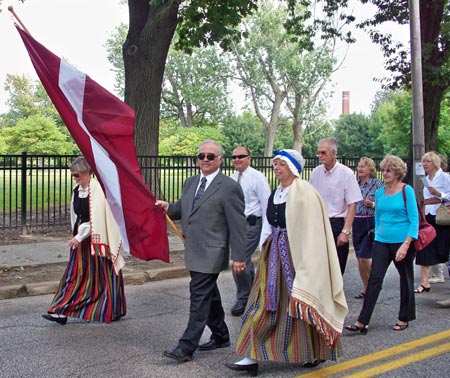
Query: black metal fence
<point x="35" y="190"/>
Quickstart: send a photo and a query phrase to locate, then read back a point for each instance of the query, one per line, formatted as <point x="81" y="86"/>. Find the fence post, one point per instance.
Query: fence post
<point x="23" y="200"/>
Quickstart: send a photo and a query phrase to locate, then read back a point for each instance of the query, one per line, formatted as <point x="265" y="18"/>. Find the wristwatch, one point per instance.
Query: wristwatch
<point x="346" y="232"/>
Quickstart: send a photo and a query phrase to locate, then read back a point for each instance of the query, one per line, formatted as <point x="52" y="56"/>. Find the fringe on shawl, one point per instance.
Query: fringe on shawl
<point x="100" y="249"/>
<point x="305" y="312"/>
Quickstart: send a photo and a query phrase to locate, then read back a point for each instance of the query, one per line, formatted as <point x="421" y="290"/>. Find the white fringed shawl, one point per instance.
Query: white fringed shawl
<point x="105" y="235"/>
<point x="317" y="294"/>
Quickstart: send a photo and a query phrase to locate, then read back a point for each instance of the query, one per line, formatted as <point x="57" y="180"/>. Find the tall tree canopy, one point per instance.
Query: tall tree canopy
<point x="199" y="22"/>
<point x="435" y="36"/>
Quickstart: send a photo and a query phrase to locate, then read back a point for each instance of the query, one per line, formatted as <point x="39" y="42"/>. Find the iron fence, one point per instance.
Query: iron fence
<point x="35" y="190"/>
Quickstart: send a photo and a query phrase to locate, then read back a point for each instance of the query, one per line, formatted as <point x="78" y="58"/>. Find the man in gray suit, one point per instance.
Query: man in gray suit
<point x="211" y="209"/>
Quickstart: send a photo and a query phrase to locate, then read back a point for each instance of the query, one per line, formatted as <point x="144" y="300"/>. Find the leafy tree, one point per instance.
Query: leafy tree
<point x="186" y="141"/>
<point x="3" y="146"/>
<point x="114" y="48"/>
<point x="392" y="118"/>
<point x="444" y="126"/>
<point x="36" y="134"/>
<point x="435" y="38"/>
<point x="27" y="97"/>
<point x="195" y="85"/>
<point x="200" y="23"/>
<point x="284" y="79"/>
<point x="244" y="130"/>
<point x="352" y="133"/>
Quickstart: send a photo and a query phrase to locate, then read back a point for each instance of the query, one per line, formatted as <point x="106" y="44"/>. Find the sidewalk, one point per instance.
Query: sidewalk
<point x="35" y="268"/>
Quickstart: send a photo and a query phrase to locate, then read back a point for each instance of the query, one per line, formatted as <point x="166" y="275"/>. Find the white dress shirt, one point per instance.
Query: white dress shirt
<point x="256" y="191"/>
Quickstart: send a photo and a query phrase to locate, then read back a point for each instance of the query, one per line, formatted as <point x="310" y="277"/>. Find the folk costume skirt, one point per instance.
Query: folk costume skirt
<point x="274" y="335"/>
<point x="89" y="288"/>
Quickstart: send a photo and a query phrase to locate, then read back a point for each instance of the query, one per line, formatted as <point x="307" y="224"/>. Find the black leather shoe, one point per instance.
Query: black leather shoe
<point x="178" y="354"/>
<point x="252" y="369"/>
<point x="313" y="364"/>
<point x="238" y="309"/>
<point x="58" y="320"/>
<point x="214" y="344"/>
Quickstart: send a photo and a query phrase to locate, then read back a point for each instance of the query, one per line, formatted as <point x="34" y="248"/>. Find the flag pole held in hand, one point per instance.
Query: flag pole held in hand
<point x="175" y="228"/>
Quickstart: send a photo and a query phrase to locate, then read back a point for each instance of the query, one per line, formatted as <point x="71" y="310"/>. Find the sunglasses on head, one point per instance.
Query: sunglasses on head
<point x="210" y="156"/>
<point x="234" y="157"/>
<point x="75" y="175"/>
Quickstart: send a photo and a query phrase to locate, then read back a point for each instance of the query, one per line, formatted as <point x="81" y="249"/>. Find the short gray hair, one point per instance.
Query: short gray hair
<point x="80" y="165"/>
<point x="332" y="142"/>
<point x="211" y="141"/>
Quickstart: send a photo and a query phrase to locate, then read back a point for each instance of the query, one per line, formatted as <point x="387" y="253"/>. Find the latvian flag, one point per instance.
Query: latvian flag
<point x="103" y="128"/>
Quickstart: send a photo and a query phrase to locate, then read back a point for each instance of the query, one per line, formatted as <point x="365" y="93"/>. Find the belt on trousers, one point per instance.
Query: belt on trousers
<point x="335" y="219"/>
<point x="251" y="219"/>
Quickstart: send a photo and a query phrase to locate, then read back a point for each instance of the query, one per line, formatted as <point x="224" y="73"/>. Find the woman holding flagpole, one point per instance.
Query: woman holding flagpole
<point x="92" y="286"/>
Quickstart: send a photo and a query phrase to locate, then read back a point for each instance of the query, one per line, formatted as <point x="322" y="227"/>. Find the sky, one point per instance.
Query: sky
<point x="77" y="30"/>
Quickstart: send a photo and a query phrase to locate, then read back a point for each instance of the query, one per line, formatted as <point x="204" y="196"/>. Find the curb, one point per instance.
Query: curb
<point x="43" y="288"/>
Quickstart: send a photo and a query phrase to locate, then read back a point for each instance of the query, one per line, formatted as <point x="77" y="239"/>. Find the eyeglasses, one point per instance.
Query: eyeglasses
<point x="234" y="157"/>
<point x="75" y="175"/>
<point x="322" y="152"/>
<point x="210" y="156"/>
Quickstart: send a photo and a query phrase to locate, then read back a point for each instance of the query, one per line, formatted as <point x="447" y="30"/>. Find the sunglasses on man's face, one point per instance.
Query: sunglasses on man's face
<point x="210" y="156"/>
<point x="234" y="157"/>
<point x="75" y="175"/>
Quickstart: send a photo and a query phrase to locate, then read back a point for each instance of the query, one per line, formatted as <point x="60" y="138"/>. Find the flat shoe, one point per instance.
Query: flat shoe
<point x="360" y="295"/>
<point x="59" y="320"/>
<point x="252" y="369"/>
<point x="400" y="327"/>
<point x="214" y="344"/>
<point x="178" y="354"/>
<point x="421" y="289"/>
<point x="309" y="365"/>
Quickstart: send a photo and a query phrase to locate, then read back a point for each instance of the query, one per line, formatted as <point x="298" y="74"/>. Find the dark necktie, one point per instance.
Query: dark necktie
<point x="200" y="191"/>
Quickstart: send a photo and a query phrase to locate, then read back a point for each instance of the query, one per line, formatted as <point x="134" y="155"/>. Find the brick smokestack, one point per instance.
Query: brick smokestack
<point x="345" y="102"/>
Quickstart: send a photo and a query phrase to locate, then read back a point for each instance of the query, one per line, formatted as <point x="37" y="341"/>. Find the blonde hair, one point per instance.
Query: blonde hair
<point x="397" y="165"/>
<point x="433" y="157"/>
<point x="369" y="163"/>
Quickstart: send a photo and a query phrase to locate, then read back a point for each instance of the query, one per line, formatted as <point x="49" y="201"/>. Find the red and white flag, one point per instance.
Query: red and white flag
<point x="103" y="128"/>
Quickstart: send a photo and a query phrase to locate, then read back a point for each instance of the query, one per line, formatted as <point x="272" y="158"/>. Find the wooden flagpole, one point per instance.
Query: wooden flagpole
<point x="11" y="9"/>
<point x="175" y="228"/>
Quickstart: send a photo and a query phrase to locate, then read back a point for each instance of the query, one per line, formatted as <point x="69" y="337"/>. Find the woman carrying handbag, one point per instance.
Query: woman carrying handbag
<point x="436" y="190"/>
<point x="396" y="226"/>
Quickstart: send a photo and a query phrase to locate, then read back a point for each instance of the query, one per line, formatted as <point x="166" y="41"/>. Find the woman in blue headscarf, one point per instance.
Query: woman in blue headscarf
<point x="289" y="317"/>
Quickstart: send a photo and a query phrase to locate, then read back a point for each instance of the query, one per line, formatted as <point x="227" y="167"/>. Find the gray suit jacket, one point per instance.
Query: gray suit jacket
<point x="216" y="223"/>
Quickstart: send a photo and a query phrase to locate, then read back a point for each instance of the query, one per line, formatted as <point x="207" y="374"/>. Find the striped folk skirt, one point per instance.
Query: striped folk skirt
<point x="89" y="288"/>
<point x="275" y="336"/>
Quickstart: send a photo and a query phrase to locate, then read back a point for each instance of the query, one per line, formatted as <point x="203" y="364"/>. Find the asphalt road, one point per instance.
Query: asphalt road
<point x="157" y="315"/>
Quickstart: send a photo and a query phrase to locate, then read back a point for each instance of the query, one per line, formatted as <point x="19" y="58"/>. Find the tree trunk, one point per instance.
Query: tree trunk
<point x="270" y="139"/>
<point x="298" y="135"/>
<point x="435" y="77"/>
<point x="432" y="98"/>
<point x="144" y="54"/>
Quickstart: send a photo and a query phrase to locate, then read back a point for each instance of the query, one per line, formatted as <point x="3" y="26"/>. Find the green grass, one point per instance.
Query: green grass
<point x="44" y="189"/>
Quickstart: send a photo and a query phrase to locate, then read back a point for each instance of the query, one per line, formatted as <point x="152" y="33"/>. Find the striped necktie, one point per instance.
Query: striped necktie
<point x="200" y="191"/>
<point x="239" y="177"/>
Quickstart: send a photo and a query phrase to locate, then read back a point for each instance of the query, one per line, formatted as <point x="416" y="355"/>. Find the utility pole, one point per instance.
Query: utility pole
<point x="418" y="135"/>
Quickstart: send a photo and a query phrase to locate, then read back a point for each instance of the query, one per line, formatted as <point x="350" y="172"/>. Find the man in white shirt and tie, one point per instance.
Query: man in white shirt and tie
<point x="256" y="192"/>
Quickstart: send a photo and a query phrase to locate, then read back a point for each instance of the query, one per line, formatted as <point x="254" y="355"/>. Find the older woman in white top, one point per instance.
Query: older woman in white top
<point x="436" y="190"/>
